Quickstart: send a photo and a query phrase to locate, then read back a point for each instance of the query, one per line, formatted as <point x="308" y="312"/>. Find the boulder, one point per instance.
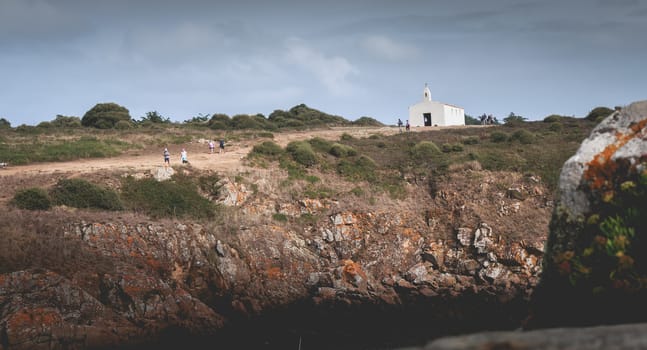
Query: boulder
<point x="595" y="266"/>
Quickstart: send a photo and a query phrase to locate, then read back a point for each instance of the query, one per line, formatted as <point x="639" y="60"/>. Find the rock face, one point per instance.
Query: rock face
<point x="595" y="267"/>
<point x="631" y="336"/>
<point x="461" y="258"/>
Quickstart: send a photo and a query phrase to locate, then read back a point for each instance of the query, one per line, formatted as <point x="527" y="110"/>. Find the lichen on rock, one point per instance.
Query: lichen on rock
<point x="595" y="265"/>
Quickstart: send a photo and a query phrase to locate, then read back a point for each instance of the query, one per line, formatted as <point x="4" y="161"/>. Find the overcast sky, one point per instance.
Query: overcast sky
<point x="352" y="58"/>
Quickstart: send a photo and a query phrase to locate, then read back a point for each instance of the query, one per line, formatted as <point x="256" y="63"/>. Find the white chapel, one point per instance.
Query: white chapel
<point x="432" y="113"/>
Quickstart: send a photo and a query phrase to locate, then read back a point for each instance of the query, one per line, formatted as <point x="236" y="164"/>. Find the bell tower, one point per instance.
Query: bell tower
<point x="426" y="93"/>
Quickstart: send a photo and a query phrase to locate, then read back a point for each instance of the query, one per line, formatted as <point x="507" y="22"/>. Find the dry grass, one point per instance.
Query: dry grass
<point x="36" y="240"/>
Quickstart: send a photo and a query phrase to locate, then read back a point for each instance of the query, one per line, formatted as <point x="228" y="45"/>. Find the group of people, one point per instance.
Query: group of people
<point x="407" y="127"/>
<point x="487" y="119"/>
<point x="184" y="156"/>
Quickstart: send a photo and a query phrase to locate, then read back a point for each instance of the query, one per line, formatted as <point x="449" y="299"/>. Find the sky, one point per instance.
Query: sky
<point x="351" y="58"/>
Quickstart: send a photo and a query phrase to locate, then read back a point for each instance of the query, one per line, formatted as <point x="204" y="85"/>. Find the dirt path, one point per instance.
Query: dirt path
<point x="199" y="157"/>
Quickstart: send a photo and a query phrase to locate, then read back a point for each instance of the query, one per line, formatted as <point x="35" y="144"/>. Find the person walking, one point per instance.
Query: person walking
<point x="183" y="156"/>
<point x="222" y="146"/>
<point x="212" y="146"/>
<point x="408" y="127"/>
<point x="400" y="125"/>
<point x="167" y="157"/>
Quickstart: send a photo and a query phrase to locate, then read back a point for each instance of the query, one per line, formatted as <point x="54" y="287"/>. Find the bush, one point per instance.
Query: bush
<point x="177" y="197"/>
<point x="346" y="137"/>
<point x="32" y="199"/>
<point x="472" y="140"/>
<point x="280" y="217"/>
<point x="555" y="127"/>
<point x="268" y="149"/>
<point x="302" y="153"/>
<point x="341" y="151"/>
<point x="361" y="169"/>
<point x="553" y="118"/>
<point x="598" y="113"/>
<point x="105" y="116"/>
<point x="513" y="119"/>
<point x="210" y="185"/>
<point x="4" y="124"/>
<point x="62" y="121"/>
<point x="499" y="136"/>
<point x="123" y="125"/>
<point x="524" y="136"/>
<point x="457" y="147"/>
<point x="320" y="145"/>
<point x="367" y="121"/>
<point x="79" y="193"/>
<point x="424" y="150"/>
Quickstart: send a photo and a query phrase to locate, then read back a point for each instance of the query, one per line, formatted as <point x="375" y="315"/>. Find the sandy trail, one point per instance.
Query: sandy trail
<point x="199" y="157"/>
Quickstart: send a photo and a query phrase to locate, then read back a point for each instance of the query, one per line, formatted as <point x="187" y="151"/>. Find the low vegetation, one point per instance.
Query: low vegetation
<point x="79" y="193"/>
<point x="178" y="197"/>
<point x="32" y="199"/>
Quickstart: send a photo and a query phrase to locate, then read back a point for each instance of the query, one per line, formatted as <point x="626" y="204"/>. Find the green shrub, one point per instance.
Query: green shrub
<point x="598" y="113"/>
<point x="280" y="217"/>
<point x="320" y="192"/>
<point x="320" y="145"/>
<point x="210" y="185"/>
<point x="312" y="179"/>
<point x="472" y="140"/>
<point x="446" y="147"/>
<point x="363" y="168"/>
<point x="424" y="150"/>
<point x="555" y="127"/>
<point x="124" y="125"/>
<point x="302" y="153"/>
<point x="367" y="121"/>
<point x="32" y="199"/>
<point x="357" y="191"/>
<point x="79" y="193"/>
<point x="4" y="124"/>
<point x="346" y="137"/>
<point x="553" y="118"/>
<point x="340" y="151"/>
<point x="177" y="197"/>
<point x="105" y="116"/>
<point x="499" y="136"/>
<point x="524" y="136"/>
<point x="457" y="147"/>
<point x="218" y="125"/>
<point x="267" y="149"/>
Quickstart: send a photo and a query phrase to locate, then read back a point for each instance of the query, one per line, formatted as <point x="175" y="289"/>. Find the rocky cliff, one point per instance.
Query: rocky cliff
<point x="461" y="254"/>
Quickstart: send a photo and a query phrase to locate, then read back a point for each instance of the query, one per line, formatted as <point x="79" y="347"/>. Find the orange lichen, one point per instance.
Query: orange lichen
<point x="601" y="170"/>
<point x="37" y="317"/>
<point x="274" y="272"/>
<point x="351" y="269"/>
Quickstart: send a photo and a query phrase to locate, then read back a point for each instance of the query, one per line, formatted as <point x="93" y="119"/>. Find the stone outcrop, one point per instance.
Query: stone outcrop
<point x="595" y="266"/>
<point x="461" y="257"/>
<point x="629" y="336"/>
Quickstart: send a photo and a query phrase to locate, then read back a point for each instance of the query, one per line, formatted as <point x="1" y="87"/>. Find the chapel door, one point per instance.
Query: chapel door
<point x="427" y="118"/>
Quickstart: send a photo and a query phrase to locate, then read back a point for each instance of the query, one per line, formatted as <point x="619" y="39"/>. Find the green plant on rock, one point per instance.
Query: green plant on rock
<point x="616" y="234"/>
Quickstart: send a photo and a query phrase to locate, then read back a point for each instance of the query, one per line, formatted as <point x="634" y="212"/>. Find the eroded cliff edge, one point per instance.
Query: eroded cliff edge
<point x="463" y="254"/>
